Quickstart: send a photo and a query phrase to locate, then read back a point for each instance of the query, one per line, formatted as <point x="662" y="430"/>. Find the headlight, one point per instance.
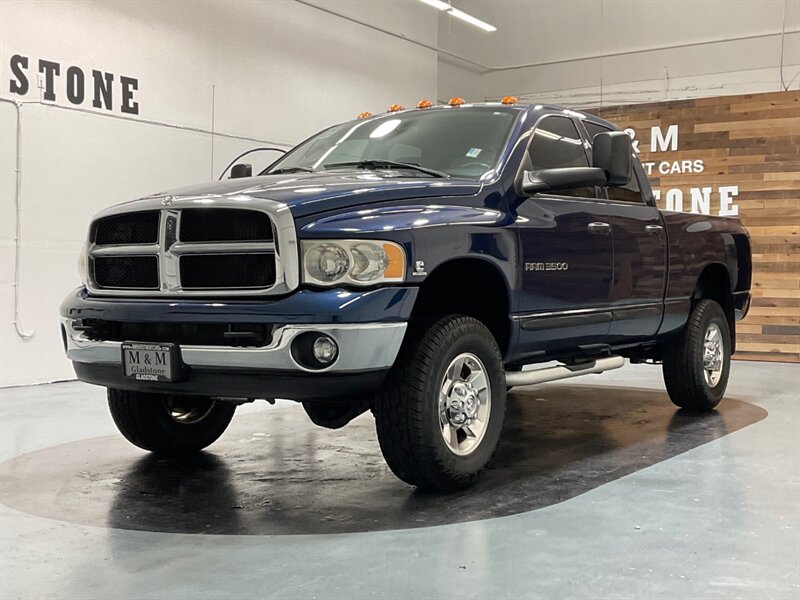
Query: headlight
<point x="353" y="262"/>
<point x="83" y="266"/>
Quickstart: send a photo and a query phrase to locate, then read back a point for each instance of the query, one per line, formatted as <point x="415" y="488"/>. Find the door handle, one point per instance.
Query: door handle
<point x="599" y="228"/>
<point x="654" y="229"/>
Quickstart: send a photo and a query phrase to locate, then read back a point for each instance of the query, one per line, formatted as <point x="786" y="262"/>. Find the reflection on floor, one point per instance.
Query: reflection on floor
<point x="600" y="489"/>
<point x="275" y="472"/>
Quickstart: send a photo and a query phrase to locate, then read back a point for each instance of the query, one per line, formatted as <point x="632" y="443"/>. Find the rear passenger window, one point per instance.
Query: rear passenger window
<point x="630" y="192"/>
<point x="556" y="143"/>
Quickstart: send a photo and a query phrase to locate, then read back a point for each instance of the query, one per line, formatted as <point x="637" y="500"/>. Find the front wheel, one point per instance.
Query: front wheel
<point x="169" y="425"/>
<point x="697" y="363"/>
<point x="440" y="411"/>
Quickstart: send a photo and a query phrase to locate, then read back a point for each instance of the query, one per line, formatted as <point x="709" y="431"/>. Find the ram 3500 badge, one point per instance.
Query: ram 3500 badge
<point x="409" y="263"/>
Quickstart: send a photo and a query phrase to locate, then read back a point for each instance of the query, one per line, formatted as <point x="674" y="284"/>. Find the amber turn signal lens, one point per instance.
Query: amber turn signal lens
<point x="509" y="100"/>
<point x="396" y="107"/>
<point x="424" y="104"/>
<point x="396" y="266"/>
<point x="364" y="115"/>
<point x="456" y="101"/>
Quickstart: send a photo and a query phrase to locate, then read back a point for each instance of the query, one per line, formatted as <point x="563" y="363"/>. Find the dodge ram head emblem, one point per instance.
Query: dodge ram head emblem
<point x="167" y="200"/>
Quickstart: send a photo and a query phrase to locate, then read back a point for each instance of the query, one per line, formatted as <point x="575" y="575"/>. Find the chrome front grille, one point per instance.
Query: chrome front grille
<point x="128" y="228"/>
<point x="225" y="225"/>
<point x="120" y="272"/>
<point x="185" y="250"/>
<point x="253" y="270"/>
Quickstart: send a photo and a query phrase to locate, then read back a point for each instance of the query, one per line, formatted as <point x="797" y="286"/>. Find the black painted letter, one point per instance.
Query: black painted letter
<point x="75" y="80"/>
<point x="49" y="69"/>
<point x="102" y="86"/>
<point x="20" y="84"/>
<point x="128" y="85"/>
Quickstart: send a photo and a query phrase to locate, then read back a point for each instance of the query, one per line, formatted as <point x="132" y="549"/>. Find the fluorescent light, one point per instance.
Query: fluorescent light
<point x="438" y="4"/>
<point x="460" y="14"/>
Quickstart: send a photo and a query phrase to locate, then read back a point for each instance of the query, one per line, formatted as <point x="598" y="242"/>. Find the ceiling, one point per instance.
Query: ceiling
<point x="535" y="31"/>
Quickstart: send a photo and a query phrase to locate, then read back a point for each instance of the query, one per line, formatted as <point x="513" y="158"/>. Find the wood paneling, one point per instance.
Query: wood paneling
<point x="753" y="142"/>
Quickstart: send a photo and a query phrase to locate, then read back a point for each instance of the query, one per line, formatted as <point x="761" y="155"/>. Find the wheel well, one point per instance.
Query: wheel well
<point x="471" y="287"/>
<point x="715" y="284"/>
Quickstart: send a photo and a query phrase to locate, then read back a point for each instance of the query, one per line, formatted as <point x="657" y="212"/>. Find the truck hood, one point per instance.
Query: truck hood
<point x="309" y="193"/>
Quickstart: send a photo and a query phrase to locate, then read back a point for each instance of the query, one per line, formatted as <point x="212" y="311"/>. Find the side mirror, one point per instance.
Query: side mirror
<point x="611" y="152"/>
<point x="551" y="180"/>
<point x="241" y="170"/>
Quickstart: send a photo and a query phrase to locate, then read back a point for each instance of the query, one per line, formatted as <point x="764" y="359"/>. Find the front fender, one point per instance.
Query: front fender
<point x="431" y="234"/>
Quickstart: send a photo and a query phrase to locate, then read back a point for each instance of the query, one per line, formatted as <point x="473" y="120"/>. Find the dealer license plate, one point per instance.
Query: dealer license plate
<point x="148" y="362"/>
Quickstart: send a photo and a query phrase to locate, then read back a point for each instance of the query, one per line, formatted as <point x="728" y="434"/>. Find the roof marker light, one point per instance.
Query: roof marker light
<point x="509" y="100"/>
<point x="396" y="108"/>
<point x="456" y="101"/>
<point x="424" y="104"/>
<point x="364" y="115"/>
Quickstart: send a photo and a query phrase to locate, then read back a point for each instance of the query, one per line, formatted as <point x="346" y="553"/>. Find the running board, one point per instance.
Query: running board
<point x="515" y="378"/>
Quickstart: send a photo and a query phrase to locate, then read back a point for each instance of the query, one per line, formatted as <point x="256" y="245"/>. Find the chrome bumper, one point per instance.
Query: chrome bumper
<point x="363" y="346"/>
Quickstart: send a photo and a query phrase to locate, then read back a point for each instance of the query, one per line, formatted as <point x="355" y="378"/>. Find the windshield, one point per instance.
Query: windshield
<point x="462" y="142"/>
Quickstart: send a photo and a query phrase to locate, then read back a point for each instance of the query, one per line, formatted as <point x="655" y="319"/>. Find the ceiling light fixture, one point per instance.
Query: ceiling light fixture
<point x="438" y="4"/>
<point x="459" y="14"/>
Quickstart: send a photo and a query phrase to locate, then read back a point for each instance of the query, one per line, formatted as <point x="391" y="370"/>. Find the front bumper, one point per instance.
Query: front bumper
<point x="362" y="347"/>
<point x="243" y="383"/>
<point x="367" y="349"/>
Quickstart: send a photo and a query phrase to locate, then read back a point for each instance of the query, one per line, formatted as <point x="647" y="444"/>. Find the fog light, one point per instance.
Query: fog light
<point x="314" y="350"/>
<point x="325" y="349"/>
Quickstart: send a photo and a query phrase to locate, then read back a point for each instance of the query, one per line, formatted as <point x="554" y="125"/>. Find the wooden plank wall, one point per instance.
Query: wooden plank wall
<point x="753" y="142"/>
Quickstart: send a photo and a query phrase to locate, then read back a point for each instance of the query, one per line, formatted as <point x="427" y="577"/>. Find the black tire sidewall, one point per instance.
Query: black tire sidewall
<point x="475" y="341"/>
<point x="684" y="374"/>
<point x="712" y="314"/>
<point x="189" y="434"/>
<point x="145" y="421"/>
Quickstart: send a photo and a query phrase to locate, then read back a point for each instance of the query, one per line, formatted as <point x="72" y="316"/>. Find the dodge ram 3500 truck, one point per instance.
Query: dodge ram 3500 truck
<point x="408" y="263"/>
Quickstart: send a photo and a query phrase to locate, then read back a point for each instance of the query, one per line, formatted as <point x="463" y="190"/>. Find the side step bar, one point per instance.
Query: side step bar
<point x="515" y="378"/>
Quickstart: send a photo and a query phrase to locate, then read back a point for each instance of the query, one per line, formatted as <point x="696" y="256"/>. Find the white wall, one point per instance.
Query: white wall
<point x="456" y="79"/>
<point x="663" y="49"/>
<point x="281" y="71"/>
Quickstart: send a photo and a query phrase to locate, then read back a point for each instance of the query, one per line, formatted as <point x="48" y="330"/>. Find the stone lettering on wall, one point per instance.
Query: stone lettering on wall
<point x="101" y="89"/>
<point x="694" y="199"/>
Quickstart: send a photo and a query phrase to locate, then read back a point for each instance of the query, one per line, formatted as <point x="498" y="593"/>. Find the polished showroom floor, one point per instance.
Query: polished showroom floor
<point x="601" y="489"/>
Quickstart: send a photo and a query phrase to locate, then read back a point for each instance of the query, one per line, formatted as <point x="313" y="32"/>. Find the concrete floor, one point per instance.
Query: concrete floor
<point x="601" y="490"/>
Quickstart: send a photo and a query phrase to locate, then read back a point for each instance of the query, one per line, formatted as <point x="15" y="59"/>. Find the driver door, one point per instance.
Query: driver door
<point x="565" y="239"/>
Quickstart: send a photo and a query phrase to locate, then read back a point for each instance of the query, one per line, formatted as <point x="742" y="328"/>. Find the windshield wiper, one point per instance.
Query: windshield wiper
<point x="291" y="170"/>
<point x="386" y="164"/>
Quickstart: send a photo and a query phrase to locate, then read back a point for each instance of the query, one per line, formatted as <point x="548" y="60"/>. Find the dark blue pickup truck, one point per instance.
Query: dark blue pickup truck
<point x="409" y="263"/>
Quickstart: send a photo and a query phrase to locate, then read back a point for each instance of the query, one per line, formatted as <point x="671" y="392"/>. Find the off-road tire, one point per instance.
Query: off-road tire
<point x="683" y="360"/>
<point x="406" y="407"/>
<point x="145" y="421"/>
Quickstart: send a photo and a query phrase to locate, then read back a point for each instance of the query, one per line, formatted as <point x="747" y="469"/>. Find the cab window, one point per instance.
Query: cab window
<point x="557" y="144"/>
<point x="631" y="191"/>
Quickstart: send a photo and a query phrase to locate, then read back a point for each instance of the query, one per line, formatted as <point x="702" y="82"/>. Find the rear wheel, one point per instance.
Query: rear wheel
<point x="440" y="411"/>
<point x="166" y="424"/>
<point x="697" y="363"/>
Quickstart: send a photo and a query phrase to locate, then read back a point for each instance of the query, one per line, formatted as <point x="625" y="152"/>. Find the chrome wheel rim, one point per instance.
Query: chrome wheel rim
<point x="713" y="358"/>
<point x="189" y="410"/>
<point x="465" y="402"/>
